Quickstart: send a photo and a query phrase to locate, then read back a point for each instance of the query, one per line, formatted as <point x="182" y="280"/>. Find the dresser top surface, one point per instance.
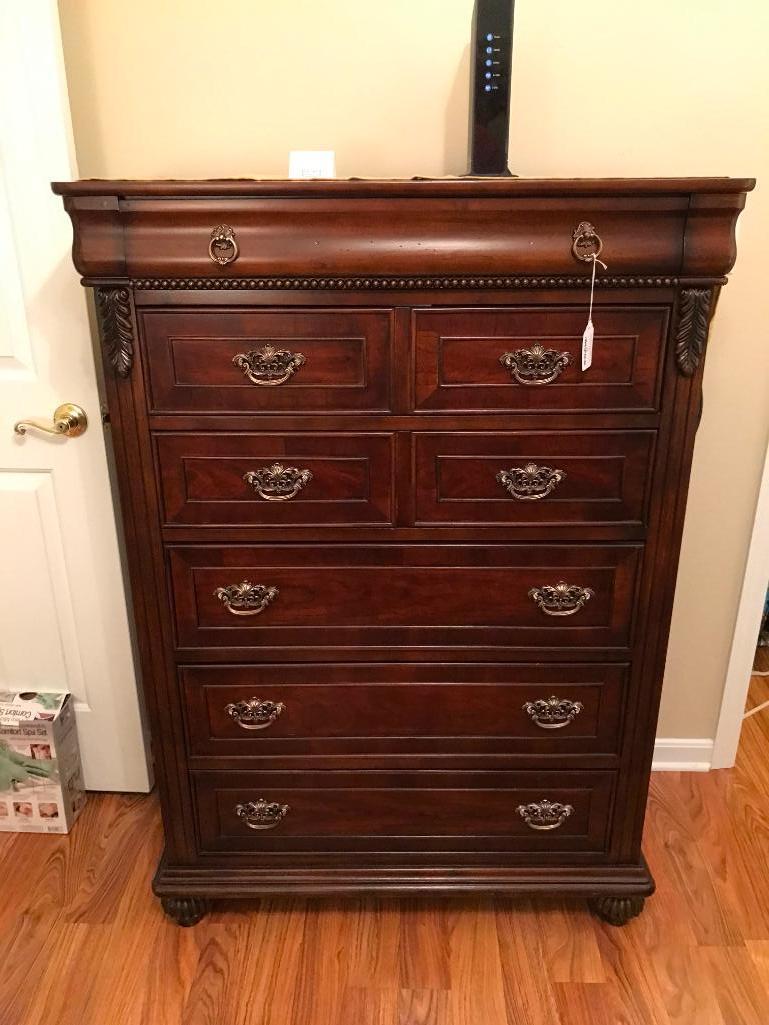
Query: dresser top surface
<point x="460" y="188"/>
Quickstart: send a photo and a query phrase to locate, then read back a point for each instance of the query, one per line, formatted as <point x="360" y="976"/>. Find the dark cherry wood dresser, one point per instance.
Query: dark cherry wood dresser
<point x="402" y="570"/>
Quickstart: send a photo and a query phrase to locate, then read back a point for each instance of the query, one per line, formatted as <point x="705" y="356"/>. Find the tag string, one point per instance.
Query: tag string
<point x="592" y="285"/>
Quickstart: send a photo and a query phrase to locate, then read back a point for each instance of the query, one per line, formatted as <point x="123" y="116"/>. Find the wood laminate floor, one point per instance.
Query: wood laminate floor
<point x="82" y="941"/>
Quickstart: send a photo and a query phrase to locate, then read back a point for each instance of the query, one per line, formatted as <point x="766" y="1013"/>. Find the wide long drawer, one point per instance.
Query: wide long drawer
<point x="257" y="361"/>
<point x="266" y="710"/>
<point x="403" y="811"/>
<point x="285" y="479"/>
<point x="529" y="359"/>
<point x="533" y="478"/>
<point x="359" y="595"/>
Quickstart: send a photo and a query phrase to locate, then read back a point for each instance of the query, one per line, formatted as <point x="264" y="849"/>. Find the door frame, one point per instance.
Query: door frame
<point x="746" y="629"/>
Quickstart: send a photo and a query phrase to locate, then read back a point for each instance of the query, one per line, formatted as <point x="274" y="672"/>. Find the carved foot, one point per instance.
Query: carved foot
<point x="186" y="910"/>
<point x="616" y="910"/>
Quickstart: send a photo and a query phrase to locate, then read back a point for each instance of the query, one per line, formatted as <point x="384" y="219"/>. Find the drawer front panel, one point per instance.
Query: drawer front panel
<point x="277" y="479"/>
<point x="298" y="360"/>
<point x="362" y="595"/>
<point x="531" y="478"/>
<point x="481" y="360"/>
<point x="399" y="236"/>
<point x="321" y="709"/>
<point x="389" y="811"/>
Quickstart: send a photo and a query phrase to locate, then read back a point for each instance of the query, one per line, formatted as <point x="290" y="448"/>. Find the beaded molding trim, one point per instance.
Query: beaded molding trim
<point x="391" y="284"/>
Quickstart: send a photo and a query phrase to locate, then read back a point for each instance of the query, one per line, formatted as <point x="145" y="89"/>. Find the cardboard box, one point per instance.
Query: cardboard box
<point x="41" y="779"/>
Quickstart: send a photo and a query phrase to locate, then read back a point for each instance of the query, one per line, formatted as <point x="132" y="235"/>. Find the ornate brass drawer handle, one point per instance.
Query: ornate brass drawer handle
<point x="536" y="365"/>
<point x="255" y="714"/>
<point x="277" y="483"/>
<point x="544" y="815"/>
<point x="223" y="248"/>
<point x="552" y="713"/>
<point x="246" y="599"/>
<point x="269" y="366"/>
<point x="562" y="600"/>
<point x="261" y="814"/>
<point x="529" y="483"/>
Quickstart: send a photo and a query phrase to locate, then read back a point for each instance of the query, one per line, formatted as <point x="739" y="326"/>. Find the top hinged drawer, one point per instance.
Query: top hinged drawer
<point x="345" y="233"/>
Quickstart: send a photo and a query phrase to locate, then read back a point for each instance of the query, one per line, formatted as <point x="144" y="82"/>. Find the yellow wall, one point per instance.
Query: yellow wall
<point x="199" y="88"/>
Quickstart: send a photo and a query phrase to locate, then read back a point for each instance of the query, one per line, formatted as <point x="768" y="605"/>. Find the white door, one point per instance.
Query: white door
<point x="63" y="620"/>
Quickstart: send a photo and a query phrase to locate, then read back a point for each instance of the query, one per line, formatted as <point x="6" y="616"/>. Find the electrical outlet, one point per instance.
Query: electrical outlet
<point x="311" y="163"/>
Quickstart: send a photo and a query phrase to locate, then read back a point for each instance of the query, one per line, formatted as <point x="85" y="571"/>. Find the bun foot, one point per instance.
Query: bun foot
<point x="616" y="910"/>
<point x="186" y="911"/>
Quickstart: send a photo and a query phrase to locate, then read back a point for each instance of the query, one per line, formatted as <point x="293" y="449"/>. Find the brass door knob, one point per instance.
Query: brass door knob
<point x="68" y="419"/>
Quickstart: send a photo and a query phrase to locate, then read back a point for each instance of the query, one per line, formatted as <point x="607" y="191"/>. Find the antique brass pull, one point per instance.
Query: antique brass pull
<point x="552" y="713"/>
<point x="269" y="366"/>
<point x="262" y="814"/>
<point x="255" y="714"/>
<point x="223" y="248"/>
<point x="562" y="600"/>
<point x="277" y="483"/>
<point x="68" y="419"/>
<point x="246" y="599"/>
<point x="544" y="815"/>
<point x="529" y="483"/>
<point x="536" y="365"/>
<point x="586" y="242"/>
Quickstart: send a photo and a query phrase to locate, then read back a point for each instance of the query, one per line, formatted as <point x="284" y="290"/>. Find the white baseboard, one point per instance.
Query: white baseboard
<point x="683" y="754"/>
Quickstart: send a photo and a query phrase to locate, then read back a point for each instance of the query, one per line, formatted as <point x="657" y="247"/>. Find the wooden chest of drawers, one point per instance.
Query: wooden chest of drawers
<point x="402" y="570"/>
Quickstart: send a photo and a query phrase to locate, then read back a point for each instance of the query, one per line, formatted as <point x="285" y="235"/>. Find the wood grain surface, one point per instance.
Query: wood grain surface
<point x="84" y="942"/>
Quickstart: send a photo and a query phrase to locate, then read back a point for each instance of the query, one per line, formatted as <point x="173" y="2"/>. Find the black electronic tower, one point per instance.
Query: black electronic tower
<point x="491" y="54"/>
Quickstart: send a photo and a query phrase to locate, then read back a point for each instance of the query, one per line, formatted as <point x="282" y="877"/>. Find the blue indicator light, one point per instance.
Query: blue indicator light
<point x="489" y="49"/>
<point x="489" y="37"/>
<point x="488" y="74"/>
<point x="487" y="88"/>
<point x="489" y="63"/>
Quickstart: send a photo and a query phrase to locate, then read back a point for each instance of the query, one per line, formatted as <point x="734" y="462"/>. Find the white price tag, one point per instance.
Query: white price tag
<point x="587" y="345"/>
<point x="587" y="334"/>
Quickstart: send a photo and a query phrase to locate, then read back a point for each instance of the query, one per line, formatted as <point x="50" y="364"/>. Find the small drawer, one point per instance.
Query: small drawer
<point x="403" y="811"/>
<point x="268" y="361"/>
<point x="517" y="710"/>
<point x="528" y="359"/>
<point x="320" y="480"/>
<point x="356" y="596"/>
<point x="532" y="478"/>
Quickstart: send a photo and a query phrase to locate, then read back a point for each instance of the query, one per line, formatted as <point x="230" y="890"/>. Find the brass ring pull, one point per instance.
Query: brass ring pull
<point x="223" y="248"/>
<point x="562" y="600"/>
<point x="586" y="242"/>
<point x="552" y="713"/>
<point x="277" y="483"/>
<point x="255" y="714"/>
<point x="536" y="365"/>
<point x="246" y="599"/>
<point x="269" y="366"/>
<point x="530" y="483"/>
<point x="68" y="419"/>
<point x="261" y="814"/>
<point x="544" y="815"/>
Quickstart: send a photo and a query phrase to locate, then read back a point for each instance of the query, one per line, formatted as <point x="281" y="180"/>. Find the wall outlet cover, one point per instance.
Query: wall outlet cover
<point x="311" y="163"/>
